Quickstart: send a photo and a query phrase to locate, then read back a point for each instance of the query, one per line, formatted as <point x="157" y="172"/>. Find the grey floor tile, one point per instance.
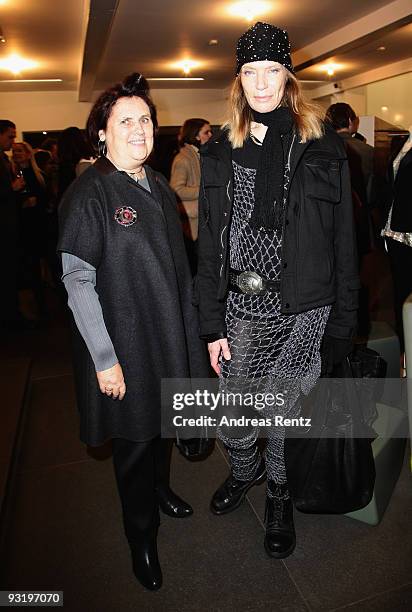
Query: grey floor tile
<point x="339" y="560"/>
<point x="397" y="600"/>
<point x="71" y="539"/>
<point x="51" y="429"/>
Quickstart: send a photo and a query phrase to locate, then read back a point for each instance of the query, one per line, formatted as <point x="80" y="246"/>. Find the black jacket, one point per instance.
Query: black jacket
<point x="402" y="187"/>
<point x="319" y="259"/>
<point x="145" y="290"/>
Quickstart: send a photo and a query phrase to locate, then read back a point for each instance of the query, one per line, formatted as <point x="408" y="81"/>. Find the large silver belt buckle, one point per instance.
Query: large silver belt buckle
<point x="250" y="283"/>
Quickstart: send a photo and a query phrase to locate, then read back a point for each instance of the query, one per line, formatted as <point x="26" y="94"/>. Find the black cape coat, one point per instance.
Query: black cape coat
<point x="145" y="290"/>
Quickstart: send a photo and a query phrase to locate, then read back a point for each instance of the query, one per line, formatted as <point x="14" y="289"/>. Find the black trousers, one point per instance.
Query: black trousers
<point x="400" y="256"/>
<point x="140" y="468"/>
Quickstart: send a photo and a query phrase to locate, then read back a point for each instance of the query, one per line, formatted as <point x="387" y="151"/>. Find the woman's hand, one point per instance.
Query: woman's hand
<point x="111" y="382"/>
<point x="215" y="349"/>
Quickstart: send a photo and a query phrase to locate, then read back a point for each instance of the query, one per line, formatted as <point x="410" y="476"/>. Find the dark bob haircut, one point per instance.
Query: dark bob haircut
<point x="73" y="146"/>
<point x="190" y="129"/>
<point x="339" y="115"/>
<point x="134" y="85"/>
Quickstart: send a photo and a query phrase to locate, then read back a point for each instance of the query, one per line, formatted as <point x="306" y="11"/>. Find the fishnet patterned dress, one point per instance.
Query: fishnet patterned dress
<point x="271" y="352"/>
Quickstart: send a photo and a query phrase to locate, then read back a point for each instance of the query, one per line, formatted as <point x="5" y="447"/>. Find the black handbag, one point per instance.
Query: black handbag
<point x="330" y="466"/>
<point x="195" y="449"/>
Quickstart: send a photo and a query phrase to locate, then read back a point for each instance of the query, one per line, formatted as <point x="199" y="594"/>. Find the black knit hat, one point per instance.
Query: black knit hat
<point x="263" y="42"/>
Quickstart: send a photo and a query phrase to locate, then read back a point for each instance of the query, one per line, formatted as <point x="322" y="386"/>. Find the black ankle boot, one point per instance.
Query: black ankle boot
<point x="232" y="492"/>
<point x="145" y="560"/>
<point x="280" y="538"/>
<point x="171" y="504"/>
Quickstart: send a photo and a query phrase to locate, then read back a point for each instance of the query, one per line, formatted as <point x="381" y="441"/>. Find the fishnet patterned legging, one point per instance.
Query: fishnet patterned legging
<point x="271" y="352"/>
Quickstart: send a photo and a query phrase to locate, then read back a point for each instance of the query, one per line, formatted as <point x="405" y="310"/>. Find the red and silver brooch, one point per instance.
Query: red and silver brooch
<point x="125" y="215"/>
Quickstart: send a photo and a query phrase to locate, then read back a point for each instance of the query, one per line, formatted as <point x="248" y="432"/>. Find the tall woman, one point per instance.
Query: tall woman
<point x="129" y="287"/>
<point x="185" y="180"/>
<point x="277" y="270"/>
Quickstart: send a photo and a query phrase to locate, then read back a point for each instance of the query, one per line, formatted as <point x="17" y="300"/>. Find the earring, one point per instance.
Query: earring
<point x="101" y="147"/>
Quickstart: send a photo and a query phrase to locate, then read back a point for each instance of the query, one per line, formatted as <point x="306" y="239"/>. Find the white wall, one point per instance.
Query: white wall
<point x="56" y="110"/>
<point x="396" y="94"/>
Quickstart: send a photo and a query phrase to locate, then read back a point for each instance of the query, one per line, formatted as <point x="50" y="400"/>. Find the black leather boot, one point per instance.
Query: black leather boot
<point x="280" y="538"/>
<point x="171" y="504"/>
<point x="232" y="492"/>
<point x="145" y="560"/>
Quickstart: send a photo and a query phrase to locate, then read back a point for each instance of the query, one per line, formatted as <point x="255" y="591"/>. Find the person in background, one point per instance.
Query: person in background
<point x="398" y="232"/>
<point x="52" y="271"/>
<point x="277" y="272"/>
<point x="75" y="156"/>
<point x="129" y="286"/>
<point x="32" y="204"/>
<point x="51" y="145"/>
<point x="185" y="180"/>
<point x="361" y="166"/>
<point x="10" y="316"/>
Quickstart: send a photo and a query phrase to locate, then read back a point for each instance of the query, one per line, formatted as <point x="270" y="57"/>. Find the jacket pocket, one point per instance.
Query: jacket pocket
<point x="322" y="180"/>
<point x="212" y="175"/>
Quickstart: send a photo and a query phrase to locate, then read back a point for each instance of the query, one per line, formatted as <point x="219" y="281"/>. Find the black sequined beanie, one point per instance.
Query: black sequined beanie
<point x="263" y="42"/>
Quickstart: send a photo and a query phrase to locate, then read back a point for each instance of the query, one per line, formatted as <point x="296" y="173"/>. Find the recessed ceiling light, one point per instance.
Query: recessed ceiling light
<point x="31" y="80"/>
<point x="382" y="48"/>
<point x="15" y="63"/>
<point x="186" y="65"/>
<point x="213" y="42"/>
<point x="248" y="10"/>
<point x="330" y="68"/>
<point x="384" y="108"/>
<point x="44" y="132"/>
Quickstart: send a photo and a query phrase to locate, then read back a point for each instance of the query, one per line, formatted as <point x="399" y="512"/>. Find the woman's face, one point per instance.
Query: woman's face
<point x="20" y="155"/>
<point x="129" y="133"/>
<point x="204" y="134"/>
<point x="264" y="84"/>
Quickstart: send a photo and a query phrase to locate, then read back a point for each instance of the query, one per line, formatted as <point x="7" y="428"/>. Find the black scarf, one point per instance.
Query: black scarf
<point x="269" y="184"/>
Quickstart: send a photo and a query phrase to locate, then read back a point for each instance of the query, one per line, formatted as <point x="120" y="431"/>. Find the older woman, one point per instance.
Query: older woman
<point x="185" y="179"/>
<point x="277" y="266"/>
<point x="128" y="282"/>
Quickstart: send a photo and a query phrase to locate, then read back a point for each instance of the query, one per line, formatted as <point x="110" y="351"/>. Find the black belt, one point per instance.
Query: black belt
<point x="251" y="283"/>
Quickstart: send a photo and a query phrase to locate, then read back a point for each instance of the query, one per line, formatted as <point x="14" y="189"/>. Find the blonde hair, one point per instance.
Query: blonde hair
<point x="32" y="161"/>
<point x="307" y="116"/>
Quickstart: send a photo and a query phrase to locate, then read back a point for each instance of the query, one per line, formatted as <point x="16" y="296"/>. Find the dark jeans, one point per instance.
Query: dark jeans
<point x="140" y="468"/>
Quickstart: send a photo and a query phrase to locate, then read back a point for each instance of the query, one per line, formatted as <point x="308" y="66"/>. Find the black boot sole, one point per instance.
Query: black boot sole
<point x="257" y="481"/>
<point x="281" y="555"/>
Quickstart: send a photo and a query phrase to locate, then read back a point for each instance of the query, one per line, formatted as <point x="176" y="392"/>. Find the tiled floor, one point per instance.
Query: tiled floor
<point x="66" y="535"/>
<point x="66" y="530"/>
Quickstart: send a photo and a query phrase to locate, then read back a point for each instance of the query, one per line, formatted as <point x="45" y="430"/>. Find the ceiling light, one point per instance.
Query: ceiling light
<point x="2" y="37"/>
<point x="212" y="42"/>
<point x="384" y="109"/>
<point x="248" y="10"/>
<point x="15" y="63"/>
<point x="382" y="48"/>
<point x="31" y="80"/>
<point x="186" y="65"/>
<point x="398" y="117"/>
<point x="175" y="79"/>
<point x="330" y="68"/>
<point x="44" y="132"/>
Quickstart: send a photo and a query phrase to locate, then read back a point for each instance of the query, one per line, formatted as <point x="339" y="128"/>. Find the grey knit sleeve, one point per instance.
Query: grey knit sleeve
<point x="79" y="278"/>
